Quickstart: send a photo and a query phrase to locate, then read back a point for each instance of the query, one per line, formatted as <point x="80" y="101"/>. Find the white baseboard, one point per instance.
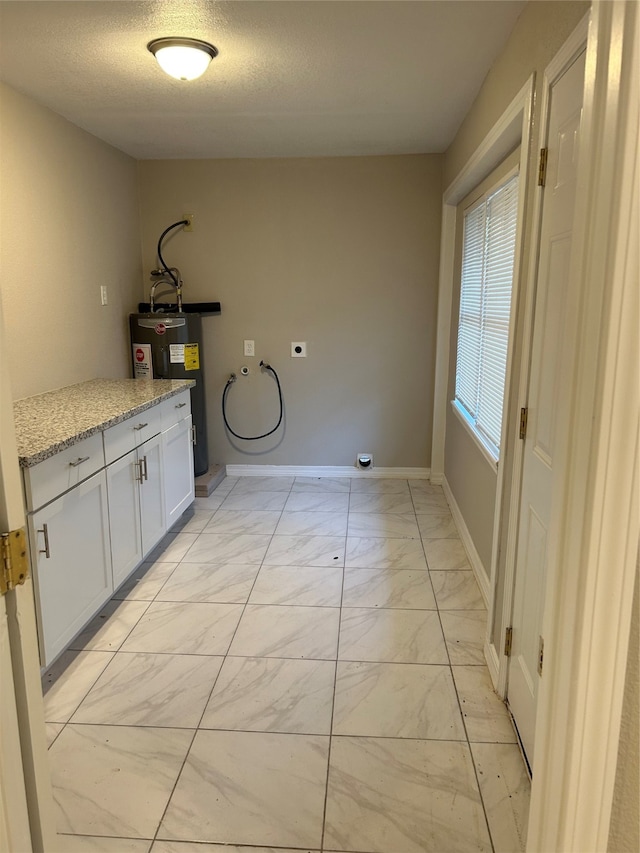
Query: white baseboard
<point x="467" y="541"/>
<point x="436" y="479"/>
<point x="325" y="471"/>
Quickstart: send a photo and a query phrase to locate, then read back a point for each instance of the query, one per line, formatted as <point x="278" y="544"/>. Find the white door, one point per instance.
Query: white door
<point x="538" y="456"/>
<point x="124" y="516"/>
<point x="73" y="562"/>
<point x="26" y="802"/>
<point x="152" y="511"/>
<point x="177" y="452"/>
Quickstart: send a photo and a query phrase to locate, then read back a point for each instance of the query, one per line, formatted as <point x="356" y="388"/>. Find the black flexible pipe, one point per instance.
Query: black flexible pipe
<point x="230" y="382"/>
<point x="162" y="236"/>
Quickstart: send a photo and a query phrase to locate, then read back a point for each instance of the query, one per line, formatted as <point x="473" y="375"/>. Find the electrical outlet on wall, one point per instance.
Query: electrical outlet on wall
<point x="249" y="347"/>
<point x="189" y="217"/>
<point x="104" y="296"/>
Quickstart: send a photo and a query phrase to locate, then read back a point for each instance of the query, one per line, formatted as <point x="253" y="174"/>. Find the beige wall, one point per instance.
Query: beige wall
<point x="68" y="224"/>
<point x="341" y="253"/>
<point x="464" y="464"/>
<point x="539" y="33"/>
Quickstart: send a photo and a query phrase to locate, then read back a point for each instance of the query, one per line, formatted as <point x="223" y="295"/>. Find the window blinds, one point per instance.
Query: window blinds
<point x="488" y="251"/>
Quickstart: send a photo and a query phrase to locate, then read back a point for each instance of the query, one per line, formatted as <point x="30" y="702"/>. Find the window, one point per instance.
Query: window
<point x="488" y="250"/>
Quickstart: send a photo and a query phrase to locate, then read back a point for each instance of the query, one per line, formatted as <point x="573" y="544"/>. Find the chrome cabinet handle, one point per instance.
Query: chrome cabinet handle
<point x="141" y="426"/>
<point x="79" y="461"/>
<point x="46" y="550"/>
<point x="194" y="439"/>
<point x="139" y="476"/>
<point x="180" y="405"/>
<point x="146" y="470"/>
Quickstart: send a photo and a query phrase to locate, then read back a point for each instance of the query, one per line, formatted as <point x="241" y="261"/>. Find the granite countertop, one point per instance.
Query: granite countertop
<point x="48" y="423"/>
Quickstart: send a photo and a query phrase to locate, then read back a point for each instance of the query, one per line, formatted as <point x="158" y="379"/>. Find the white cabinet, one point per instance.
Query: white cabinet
<point x="70" y="553"/>
<point x="177" y="450"/>
<point x="97" y="508"/>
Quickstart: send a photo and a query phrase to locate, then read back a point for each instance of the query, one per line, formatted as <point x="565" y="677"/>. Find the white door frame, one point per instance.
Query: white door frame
<point x="24" y="774"/>
<point x="594" y="543"/>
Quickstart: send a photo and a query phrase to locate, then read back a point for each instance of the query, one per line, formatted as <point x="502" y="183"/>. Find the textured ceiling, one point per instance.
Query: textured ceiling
<point x="301" y="78"/>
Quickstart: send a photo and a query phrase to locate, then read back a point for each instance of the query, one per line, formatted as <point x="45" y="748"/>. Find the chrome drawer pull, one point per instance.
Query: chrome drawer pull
<point x="141" y="426"/>
<point x="46" y="551"/>
<point x="180" y="405"/>
<point x="146" y="471"/>
<point x="79" y="461"/>
<point x="194" y="439"/>
<point x="139" y="476"/>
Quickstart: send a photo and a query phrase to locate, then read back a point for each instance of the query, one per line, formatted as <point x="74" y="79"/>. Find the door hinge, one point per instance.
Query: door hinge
<point x="14" y="563"/>
<point x="524" y="415"/>
<point x="542" y="168"/>
<point x="508" y="640"/>
<point x="540" y="655"/>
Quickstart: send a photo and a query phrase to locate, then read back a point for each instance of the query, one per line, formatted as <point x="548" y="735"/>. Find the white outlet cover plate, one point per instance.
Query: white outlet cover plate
<point x="298" y="349"/>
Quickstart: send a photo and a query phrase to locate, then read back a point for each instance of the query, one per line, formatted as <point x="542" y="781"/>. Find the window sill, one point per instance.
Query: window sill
<point x="482" y="445"/>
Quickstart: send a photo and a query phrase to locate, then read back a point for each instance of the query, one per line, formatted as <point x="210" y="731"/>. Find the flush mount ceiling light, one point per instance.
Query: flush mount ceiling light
<point x="183" y="58"/>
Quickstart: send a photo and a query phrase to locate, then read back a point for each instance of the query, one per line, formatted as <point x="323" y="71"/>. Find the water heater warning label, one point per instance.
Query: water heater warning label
<point x="142" y="368"/>
<point x="191" y="357"/>
<point x="187" y="354"/>
<point x="176" y="353"/>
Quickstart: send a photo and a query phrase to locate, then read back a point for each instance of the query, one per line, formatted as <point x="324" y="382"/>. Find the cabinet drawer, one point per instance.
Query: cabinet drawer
<point x="175" y="409"/>
<point x="56" y="475"/>
<point x="125" y="436"/>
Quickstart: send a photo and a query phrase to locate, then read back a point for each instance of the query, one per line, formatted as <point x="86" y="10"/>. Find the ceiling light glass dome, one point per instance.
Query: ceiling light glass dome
<point x="183" y="58"/>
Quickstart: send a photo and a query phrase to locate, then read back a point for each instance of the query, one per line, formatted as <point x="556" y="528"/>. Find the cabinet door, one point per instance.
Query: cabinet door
<point x="72" y="562"/>
<point x="152" y="507"/>
<point x="177" y="450"/>
<point x="124" y="516"/>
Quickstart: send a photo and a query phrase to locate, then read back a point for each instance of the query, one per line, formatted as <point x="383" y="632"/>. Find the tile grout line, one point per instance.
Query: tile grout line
<point x="119" y="601"/>
<point x="466" y="731"/>
<point x="195" y="730"/>
<point x="335" y="681"/>
<point x="115" y="653"/>
<point x="93" y="684"/>
<point x="351" y="736"/>
<point x="224" y="658"/>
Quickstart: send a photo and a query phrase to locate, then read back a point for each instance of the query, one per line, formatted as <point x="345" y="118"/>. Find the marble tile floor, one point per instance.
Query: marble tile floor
<point x="298" y="667"/>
